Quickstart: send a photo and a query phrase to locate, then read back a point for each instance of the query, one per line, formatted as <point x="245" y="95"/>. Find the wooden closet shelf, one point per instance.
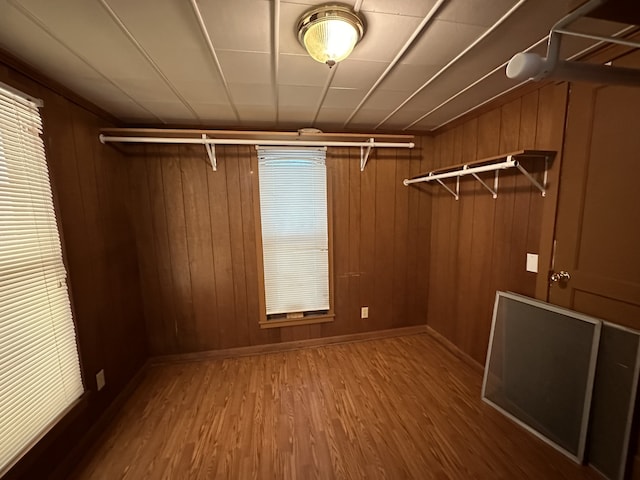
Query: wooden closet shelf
<point x="489" y="164"/>
<point x="517" y="155"/>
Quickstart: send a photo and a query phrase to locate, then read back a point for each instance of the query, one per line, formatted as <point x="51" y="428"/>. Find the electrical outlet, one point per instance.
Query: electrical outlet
<point x="532" y="262"/>
<point x="364" y="312"/>
<point x="100" y="381"/>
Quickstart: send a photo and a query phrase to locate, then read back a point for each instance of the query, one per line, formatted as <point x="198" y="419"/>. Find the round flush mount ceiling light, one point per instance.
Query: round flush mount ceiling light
<point x="330" y="32"/>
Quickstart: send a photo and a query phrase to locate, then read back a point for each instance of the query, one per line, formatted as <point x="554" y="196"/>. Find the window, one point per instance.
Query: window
<point x="39" y="368"/>
<point x="295" y="238"/>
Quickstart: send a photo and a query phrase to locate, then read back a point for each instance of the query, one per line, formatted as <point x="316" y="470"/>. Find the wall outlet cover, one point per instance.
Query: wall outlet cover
<point x="364" y="312"/>
<point x="532" y="262"/>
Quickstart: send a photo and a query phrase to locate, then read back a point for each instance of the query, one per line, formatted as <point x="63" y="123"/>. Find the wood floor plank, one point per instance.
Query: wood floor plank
<point x="403" y="407"/>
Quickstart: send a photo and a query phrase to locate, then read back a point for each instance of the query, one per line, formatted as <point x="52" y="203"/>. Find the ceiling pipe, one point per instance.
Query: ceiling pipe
<point x="275" y="59"/>
<point x="37" y="21"/>
<point x="214" y="57"/>
<point x="118" y="21"/>
<point x="427" y="19"/>
<point x="487" y="32"/>
<point x="531" y="66"/>
<point x="323" y="94"/>
<point x="579" y="54"/>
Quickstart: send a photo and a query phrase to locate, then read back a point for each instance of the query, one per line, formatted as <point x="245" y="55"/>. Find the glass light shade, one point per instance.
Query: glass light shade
<point x="329" y="33"/>
<point x="332" y="39"/>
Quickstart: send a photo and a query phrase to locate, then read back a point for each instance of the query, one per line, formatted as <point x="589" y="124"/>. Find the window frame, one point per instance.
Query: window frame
<point x="310" y="319"/>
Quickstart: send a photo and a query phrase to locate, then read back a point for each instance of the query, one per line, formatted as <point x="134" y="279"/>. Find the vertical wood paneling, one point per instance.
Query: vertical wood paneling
<point x="424" y="236"/>
<point x="248" y="158"/>
<point x="479" y="244"/>
<point x="483" y="229"/>
<point x="201" y="226"/>
<point x="353" y="311"/>
<point x="178" y="249"/>
<point x="154" y="312"/>
<point x="367" y="236"/>
<point x="240" y="332"/>
<point x="415" y="273"/>
<point x="163" y="253"/>
<point x="554" y="106"/>
<point x="504" y="217"/>
<point x="450" y="151"/>
<point x="221" y="242"/>
<point x="439" y="243"/>
<point x="465" y="250"/>
<point x="338" y="169"/>
<point x="400" y="233"/>
<point x="199" y="245"/>
<point x="522" y="200"/>
<point x="381" y="311"/>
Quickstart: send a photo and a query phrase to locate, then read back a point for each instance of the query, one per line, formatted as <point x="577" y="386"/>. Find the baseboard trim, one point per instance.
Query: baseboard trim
<point x="453" y="348"/>
<point x="80" y="455"/>
<point x="285" y="346"/>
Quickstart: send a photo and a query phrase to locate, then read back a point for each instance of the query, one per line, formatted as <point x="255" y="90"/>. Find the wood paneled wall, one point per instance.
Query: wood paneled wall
<point x="90" y="190"/>
<point x="197" y="246"/>
<point x="479" y="244"/>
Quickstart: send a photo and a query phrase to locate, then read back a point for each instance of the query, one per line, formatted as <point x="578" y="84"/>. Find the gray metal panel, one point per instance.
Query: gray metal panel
<point x="614" y="395"/>
<point x="540" y="369"/>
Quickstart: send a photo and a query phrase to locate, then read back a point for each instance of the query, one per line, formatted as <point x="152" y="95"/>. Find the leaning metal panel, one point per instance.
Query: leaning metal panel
<point x="614" y="398"/>
<point x="540" y="369"/>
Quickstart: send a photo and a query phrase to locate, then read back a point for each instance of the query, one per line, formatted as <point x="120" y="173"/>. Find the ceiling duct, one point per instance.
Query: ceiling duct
<point x="531" y="66"/>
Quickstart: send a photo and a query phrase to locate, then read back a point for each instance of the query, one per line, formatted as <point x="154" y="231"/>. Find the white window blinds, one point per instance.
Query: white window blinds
<point x="39" y="368"/>
<point x="293" y="211"/>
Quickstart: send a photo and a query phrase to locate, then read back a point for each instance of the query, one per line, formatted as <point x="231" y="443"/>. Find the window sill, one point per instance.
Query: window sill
<point x="329" y="317"/>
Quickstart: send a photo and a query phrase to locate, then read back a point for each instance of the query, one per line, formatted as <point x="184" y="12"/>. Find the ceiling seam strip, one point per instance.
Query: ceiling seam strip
<point x="470" y="86"/>
<point x="33" y="18"/>
<point x="147" y="57"/>
<point x="453" y="61"/>
<point x="332" y="72"/>
<point x="214" y="56"/>
<point x="572" y="57"/>
<point x="403" y="50"/>
<point x="275" y="60"/>
<point x="325" y="90"/>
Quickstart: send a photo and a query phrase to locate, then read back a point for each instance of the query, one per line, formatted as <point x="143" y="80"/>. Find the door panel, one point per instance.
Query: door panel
<point x="598" y="218"/>
<point x="598" y="224"/>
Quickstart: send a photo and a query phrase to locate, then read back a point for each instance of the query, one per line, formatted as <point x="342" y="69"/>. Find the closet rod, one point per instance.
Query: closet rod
<point x="239" y="141"/>
<point x="509" y="163"/>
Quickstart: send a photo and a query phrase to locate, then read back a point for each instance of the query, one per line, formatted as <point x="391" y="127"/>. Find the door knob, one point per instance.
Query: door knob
<point x="560" y="277"/>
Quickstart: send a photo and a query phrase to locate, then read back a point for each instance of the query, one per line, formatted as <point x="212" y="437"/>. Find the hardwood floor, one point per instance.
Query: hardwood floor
<point x="396" y="408"/>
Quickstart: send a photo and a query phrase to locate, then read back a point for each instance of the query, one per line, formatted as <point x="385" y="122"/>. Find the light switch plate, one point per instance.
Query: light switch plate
<point x="100" y="380"/>
<point x="532" y="262"/>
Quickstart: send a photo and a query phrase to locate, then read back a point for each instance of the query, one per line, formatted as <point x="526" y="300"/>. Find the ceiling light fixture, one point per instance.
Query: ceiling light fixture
<point x="330" y="32"/>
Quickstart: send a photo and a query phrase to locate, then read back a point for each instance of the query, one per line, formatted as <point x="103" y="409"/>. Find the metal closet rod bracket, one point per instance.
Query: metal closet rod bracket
<point x="211" y="151"/>
<point x="364" y="156"/>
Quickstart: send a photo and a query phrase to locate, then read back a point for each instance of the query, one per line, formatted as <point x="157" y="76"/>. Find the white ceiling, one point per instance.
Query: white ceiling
<point x="149" y="62"/>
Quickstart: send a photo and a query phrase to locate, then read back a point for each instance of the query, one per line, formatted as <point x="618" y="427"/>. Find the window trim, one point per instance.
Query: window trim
<point x="327" y="317"/>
